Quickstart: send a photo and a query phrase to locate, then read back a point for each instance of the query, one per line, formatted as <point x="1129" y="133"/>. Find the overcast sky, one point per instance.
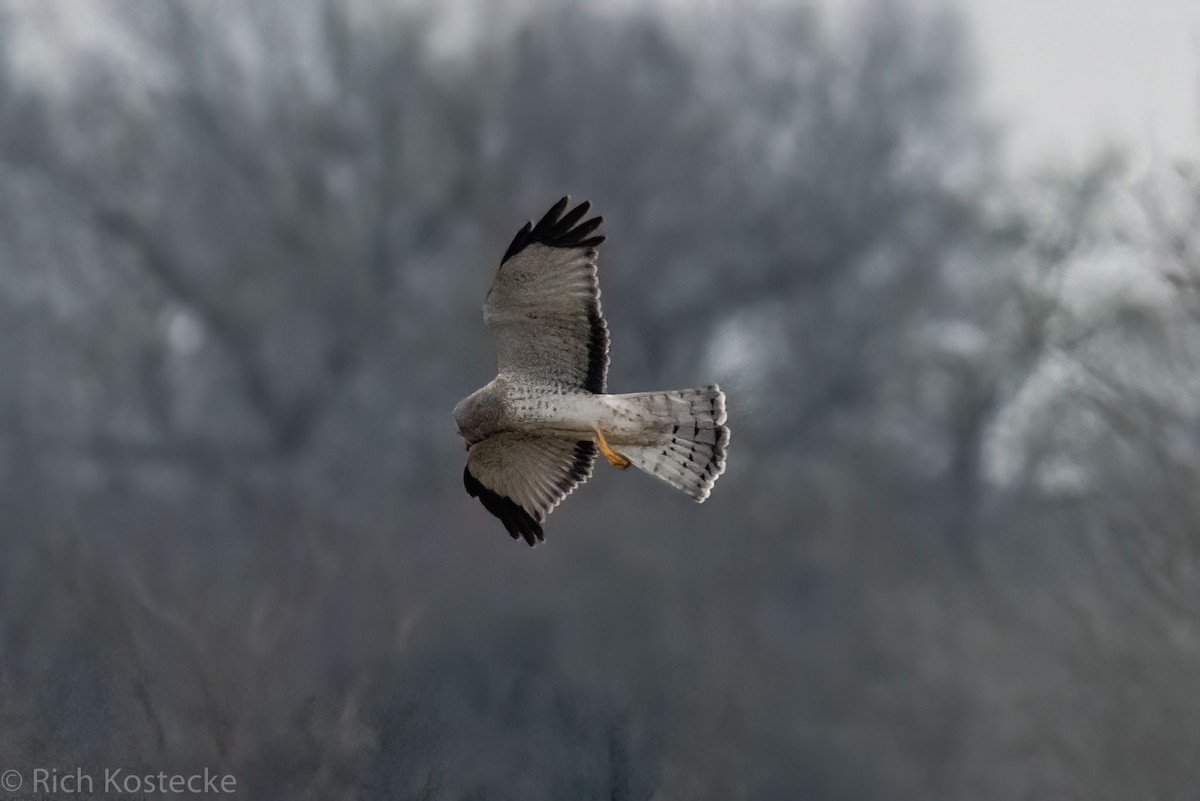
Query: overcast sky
<point x="1067" y="74"/>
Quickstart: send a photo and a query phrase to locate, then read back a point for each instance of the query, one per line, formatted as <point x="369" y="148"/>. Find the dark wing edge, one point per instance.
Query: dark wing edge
<point x="518" y="521"/>
<point x="581" y="468"/>
<point x="597" y="372"/>
<point x="558" y="231"/>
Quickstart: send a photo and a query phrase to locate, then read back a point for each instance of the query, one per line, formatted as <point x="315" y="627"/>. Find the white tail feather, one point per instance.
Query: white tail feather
<point x="689" y="433"/>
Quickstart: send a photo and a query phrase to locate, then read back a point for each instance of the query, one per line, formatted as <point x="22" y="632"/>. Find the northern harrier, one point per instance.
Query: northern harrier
<point x="532" y="432"/>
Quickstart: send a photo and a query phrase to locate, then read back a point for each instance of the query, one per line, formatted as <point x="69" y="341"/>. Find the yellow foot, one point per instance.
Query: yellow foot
<point x="615" y="459"/>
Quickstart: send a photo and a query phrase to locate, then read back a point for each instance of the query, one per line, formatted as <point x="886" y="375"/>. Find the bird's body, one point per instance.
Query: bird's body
<point x="626" y="420"/>
<point x="533" y="432"/>
<point x="505" y="405"/>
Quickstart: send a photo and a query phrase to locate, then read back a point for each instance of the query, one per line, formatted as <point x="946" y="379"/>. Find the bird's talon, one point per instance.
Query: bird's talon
<point x="615" y="459"/>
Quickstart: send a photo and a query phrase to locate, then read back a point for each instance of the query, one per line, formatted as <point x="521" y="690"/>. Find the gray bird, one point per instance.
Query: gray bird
<point x="533" y="431"/>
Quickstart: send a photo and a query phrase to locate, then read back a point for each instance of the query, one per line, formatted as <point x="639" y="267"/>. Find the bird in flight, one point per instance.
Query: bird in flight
<point x="534" y="430"/>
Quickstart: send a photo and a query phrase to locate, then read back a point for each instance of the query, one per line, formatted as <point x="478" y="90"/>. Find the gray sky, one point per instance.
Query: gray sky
<point x="1068" y="74"/>
<point x="1063" y="76"/>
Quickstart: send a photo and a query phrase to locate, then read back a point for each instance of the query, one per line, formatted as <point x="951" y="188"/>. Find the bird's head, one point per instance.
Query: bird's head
<point x="478" y="415"/>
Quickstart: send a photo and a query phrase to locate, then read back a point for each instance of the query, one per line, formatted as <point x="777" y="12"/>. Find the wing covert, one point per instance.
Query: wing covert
<point x="543" y="308"/>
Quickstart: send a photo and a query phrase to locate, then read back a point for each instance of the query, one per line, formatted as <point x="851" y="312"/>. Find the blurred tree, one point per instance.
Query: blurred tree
<point x="242" y="252"/>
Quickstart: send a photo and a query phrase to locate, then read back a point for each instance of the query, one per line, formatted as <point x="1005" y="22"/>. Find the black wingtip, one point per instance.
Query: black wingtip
<point x="518" y="522"/>
<point x="518" y="243"/>
<point x="551" y="216"/>
<point x="555" y="230"/>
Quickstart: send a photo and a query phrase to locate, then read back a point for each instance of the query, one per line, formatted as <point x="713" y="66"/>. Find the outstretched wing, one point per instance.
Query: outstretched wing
<point x="520" y="477"/>
<point x="544" y="307"/>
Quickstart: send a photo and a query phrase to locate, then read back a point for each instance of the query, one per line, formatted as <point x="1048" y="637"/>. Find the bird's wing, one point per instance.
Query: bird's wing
<point x="520" y="477"/>
<point x="544" y="306"/>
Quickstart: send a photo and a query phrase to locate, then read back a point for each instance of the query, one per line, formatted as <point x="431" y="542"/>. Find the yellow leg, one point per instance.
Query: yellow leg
<point x="615" y="459"/>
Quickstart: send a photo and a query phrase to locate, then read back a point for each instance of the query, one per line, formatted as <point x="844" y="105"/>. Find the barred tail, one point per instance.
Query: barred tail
<point x="690" y="435"/>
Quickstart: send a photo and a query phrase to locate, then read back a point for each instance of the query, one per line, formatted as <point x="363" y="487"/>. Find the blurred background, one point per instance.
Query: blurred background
<point x="956" y="553"/>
